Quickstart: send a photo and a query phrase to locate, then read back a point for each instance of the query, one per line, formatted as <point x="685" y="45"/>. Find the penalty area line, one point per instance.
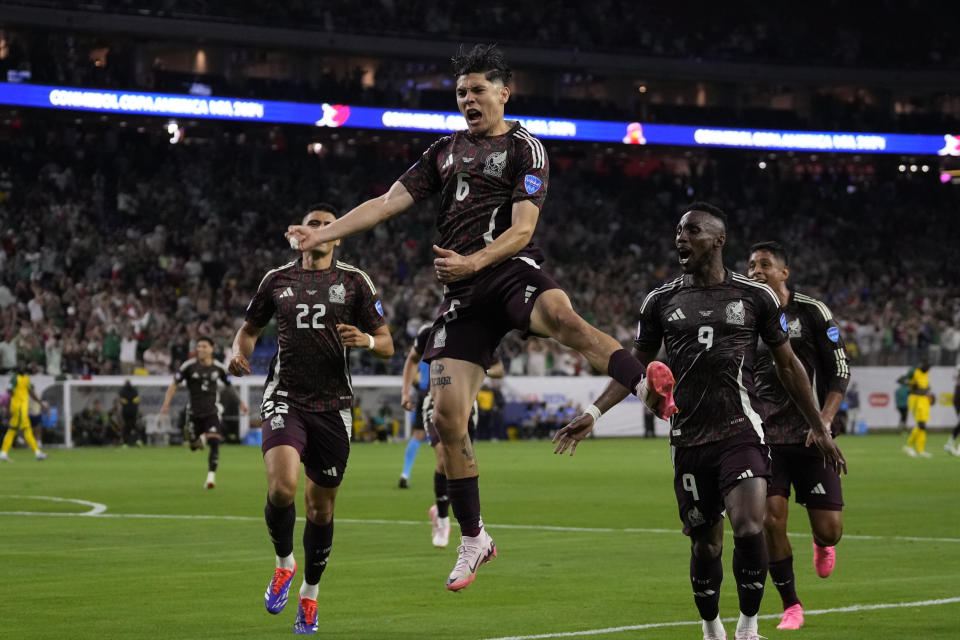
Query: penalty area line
<point x="661" y="625"/>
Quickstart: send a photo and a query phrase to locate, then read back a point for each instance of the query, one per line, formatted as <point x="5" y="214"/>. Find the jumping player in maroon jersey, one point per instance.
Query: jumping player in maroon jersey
<point x="492" y="180"/>
<point x="322" y="307"/>
<point x="816" y="339"/>
<point x="710" y="320"/>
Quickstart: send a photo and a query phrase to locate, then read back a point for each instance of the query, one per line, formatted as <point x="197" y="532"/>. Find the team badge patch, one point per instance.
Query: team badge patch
<point x="440" y="338"/>
<point x="337" y="293"/>
<point x="834" y="334"/>
<point x="736" y="314"/>
<point x="532" y="184"/>
<point x="783" y="322"/>
<point x="277" y="422"/>
<point x="794" y="328"/>
<point x="379" y="308"/>
<point x="495" y="164"/>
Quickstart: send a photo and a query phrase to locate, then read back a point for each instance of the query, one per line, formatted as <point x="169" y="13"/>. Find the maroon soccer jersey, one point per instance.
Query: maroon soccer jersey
<point x="710" y="334"/>
<point x="478" y="179"/>
<point x="309" y="370"/>
<point x="816" y="340"/>
<point x="201" y="381"/>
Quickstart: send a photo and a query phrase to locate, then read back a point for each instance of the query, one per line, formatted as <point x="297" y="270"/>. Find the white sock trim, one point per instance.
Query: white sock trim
<point x="310" y="591"/>
<point x="287" y="563"/>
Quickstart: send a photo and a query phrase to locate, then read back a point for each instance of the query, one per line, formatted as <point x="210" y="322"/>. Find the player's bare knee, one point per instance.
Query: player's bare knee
<point x="828" y="535"/>
<point x="320" y="514"/>
<point x="281" y="495"/>
<point x="774" y="523"/>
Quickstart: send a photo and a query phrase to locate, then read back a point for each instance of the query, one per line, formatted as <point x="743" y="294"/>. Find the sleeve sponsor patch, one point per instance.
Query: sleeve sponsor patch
<point x="833" y="333"/>
<point x="783" y="321"/>
<point x="532" y="183"/>
<point x="379" y="308"/>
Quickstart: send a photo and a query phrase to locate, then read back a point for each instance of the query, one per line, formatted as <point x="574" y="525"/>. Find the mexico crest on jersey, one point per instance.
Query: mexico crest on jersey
<point x="276" y="422"/>
<point x="440" y="338"/>
<point x="793" y="327"/>
<point x="496" y="163"/>
<point x="338" y="293"/>
<point x="736" y="313"/>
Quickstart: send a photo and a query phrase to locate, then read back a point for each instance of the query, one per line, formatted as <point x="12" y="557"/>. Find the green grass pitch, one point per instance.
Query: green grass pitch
<point x="586" y="544"/>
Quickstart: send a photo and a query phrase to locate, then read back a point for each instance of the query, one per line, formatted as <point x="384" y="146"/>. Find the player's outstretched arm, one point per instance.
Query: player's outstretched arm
<point x="364" y="216"/>
<point x="451" y="266"/>
<point x="795" y="381"/>
<point x="581" y="426"/>
<point x="243" y="344"/>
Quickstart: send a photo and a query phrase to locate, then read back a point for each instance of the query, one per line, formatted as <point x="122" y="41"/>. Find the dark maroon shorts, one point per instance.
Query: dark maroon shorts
<point x="476" y="313"/>
<point x="817" y="486"/>
<point x="199" y="425"/>
<point x="705" y="474"/>
<point x="322" y="440"/>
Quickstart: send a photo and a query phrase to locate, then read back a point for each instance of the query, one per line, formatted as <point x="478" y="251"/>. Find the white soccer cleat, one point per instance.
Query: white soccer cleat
<point x="925" y="454"/>
<point x="707" y="635"/>
<point x="41" y="455"/>
<point x="441" y="529"/>
<point x="472" y="552"/>
<point x="4" y="457"/>
<point x="910" y="451"/>
<point x="747" y="635"/>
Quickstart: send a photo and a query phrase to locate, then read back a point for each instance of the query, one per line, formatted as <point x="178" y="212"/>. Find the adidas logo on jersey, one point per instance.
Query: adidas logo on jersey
<point x="819" y="490"/>
<point x="529" y="292"/>
<point x="676" y="315"/>
<point x="332" y="471"/>
<point x="287" y="293"/>
<point x="746" y="474"/>
<point x="448" y="162"/>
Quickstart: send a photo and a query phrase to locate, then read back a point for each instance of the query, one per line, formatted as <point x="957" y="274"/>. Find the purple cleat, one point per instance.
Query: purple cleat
<point x="275" y="598"/>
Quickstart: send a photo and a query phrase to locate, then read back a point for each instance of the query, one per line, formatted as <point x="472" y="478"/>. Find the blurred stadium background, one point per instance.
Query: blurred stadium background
<point x="153" y="153"/>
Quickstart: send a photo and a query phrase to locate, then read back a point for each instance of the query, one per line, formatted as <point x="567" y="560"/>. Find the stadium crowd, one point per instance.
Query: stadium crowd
<point x="119" y="249"/>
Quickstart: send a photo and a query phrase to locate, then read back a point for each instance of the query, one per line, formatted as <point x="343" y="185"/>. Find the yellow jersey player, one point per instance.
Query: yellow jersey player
<point x="21" y="390"/>
<point x="919" y="403"/>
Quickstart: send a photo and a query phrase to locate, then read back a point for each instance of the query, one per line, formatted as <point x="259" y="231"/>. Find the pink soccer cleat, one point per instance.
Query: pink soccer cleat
<point x="656" y="390"/>
<point x="792" y="617"/>
<point x="824" y="559"/>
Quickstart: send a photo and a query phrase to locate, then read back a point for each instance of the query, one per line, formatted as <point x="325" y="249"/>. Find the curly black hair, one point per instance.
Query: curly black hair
<point x="482" y="58"/>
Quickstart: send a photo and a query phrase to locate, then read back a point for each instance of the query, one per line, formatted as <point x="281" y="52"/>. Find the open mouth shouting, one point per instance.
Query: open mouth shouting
<point x="473" y="116"/>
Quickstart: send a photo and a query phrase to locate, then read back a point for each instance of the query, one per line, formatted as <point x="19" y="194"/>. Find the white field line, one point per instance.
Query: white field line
<point x="660" y="625"/>
<point x="99" y="510"/>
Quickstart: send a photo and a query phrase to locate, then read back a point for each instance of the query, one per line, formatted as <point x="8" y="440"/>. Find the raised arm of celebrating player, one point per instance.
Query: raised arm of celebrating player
<point x="795" y="381"/>
<point x="360" y="218"/>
